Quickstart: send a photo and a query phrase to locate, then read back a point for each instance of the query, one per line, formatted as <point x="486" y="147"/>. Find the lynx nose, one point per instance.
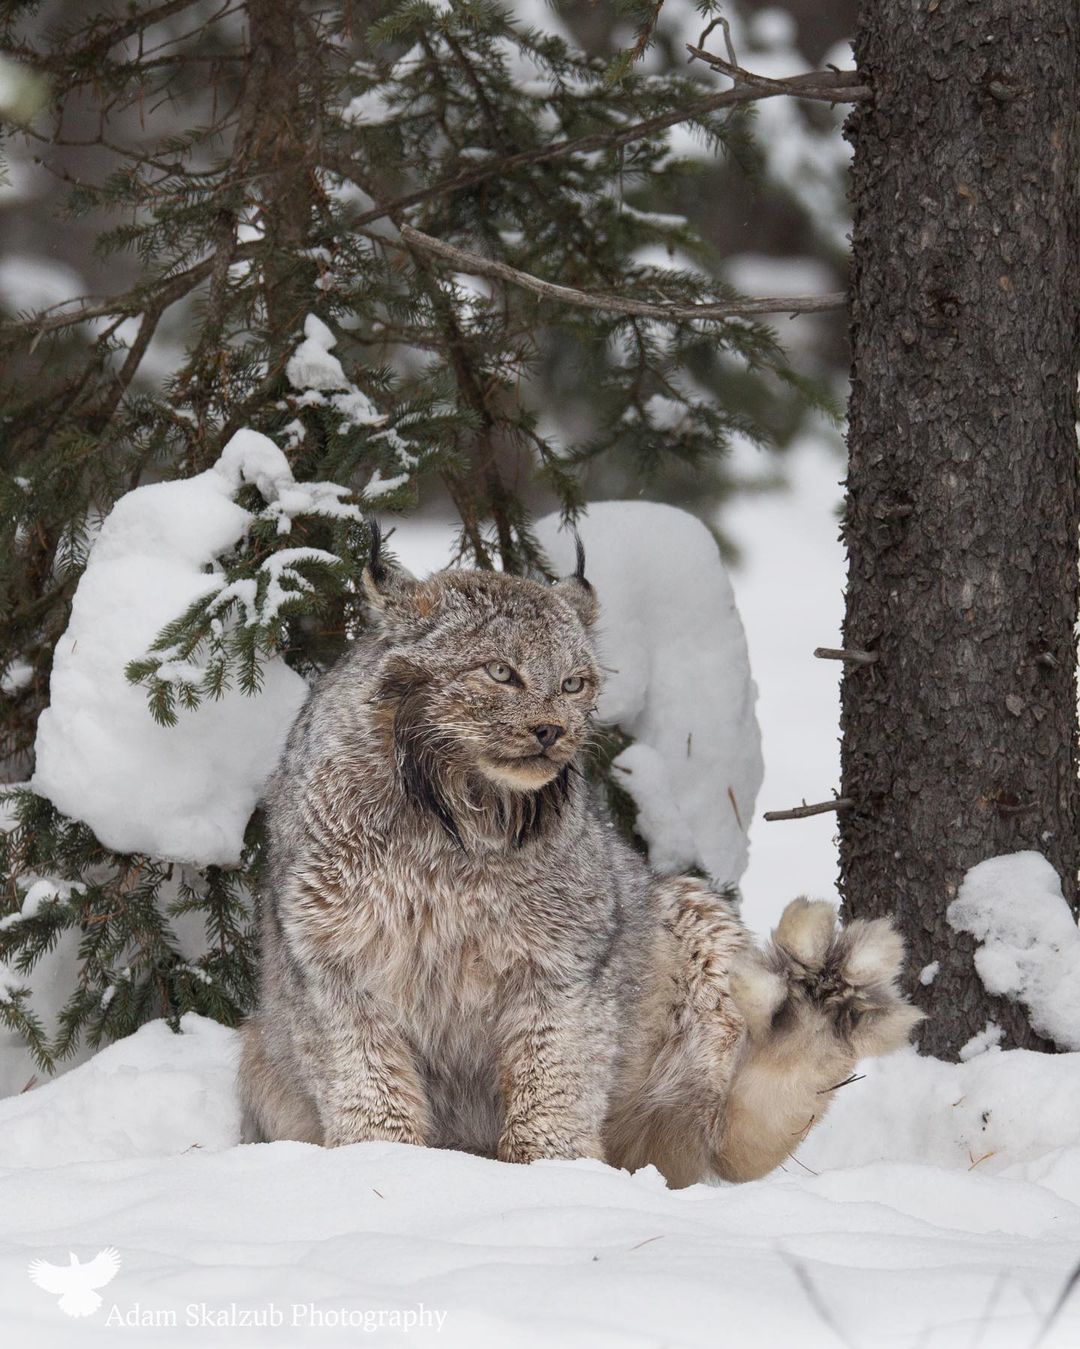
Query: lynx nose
<point x="547" y="735"/>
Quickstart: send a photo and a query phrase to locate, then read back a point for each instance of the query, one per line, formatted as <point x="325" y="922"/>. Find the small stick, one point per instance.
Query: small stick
<point x="803" y="811"/>
<point x="735" y="807"/>
<point x="852" y="657"/>
<point x="855" y="1077"/>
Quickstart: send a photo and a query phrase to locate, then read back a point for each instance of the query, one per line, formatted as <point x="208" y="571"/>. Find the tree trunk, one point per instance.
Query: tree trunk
<point x="961" y="522"/>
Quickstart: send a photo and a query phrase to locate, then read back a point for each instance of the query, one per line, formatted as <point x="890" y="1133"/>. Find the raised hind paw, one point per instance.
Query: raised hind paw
<point x="815" y="977"/>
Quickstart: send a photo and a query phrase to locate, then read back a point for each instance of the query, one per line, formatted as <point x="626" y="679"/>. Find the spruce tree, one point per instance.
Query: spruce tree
<point x="430" y="201"/>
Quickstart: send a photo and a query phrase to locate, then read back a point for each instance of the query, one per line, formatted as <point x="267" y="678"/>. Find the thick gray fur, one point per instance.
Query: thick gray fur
<point x="458" y="949"/>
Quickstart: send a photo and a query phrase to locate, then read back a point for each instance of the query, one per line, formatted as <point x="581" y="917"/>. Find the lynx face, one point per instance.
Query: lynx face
<point x="490" y="672"/>
<point x="518" y="682"/>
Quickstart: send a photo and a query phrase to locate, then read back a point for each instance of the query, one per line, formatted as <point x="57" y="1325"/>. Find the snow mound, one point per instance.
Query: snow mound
<point x="678" y="679"/>
<point x="149" y="1095"/>
<point x="183" y="792"/>
<point x="903" y="1243"/>
<point x="1029" y="944"/>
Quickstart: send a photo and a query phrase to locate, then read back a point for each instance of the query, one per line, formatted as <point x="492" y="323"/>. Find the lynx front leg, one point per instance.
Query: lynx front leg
<point x="556" y="1078"/>
<point x="367" y="1086"/>
<point x="815" y="1002"/>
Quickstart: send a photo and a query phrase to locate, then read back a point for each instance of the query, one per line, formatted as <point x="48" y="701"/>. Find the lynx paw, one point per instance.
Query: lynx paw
<point x="816" y="975"/>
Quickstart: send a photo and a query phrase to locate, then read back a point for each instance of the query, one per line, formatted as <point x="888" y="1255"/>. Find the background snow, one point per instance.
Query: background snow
<point x="186" y="791"/>
<point x="1029" y="945"/>
<point x="947" y="1214"/>
<point x="789" y="587"/>
<point x="678" y="679"/>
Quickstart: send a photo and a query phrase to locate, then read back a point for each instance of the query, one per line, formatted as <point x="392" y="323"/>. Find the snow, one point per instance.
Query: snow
<point x="678" y="679"/>
<point x="1029" y="945"/>
<point x="988" y="1038"/>
<point x="32" y="283"/>
<point x="945" y="1212"/>
<point x="37" y="893"/>
<point x="789" y="587"/>
<point x="320" y="380"/>
<point x="183" y="792"/>
<point x="19" y="675"/>
<point x="311" y="366"/>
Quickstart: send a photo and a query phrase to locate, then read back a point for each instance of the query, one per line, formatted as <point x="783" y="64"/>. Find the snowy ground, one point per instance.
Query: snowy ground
<point x="964" y="1237"/>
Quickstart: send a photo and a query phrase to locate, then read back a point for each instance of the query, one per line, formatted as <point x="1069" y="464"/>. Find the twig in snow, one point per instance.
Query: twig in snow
<point x="735" y="807"/>
<point x="991" y="1302"/>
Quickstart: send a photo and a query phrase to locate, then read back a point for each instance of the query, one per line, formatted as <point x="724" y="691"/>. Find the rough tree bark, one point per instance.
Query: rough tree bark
<point x="961" y="525"/>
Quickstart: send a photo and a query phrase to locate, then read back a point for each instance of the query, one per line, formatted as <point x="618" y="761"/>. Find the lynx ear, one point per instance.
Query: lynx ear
<point x="393" y="595"/>
<point x="577" y="591"/>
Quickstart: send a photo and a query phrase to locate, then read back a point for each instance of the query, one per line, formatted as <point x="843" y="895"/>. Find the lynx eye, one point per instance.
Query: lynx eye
<point x="573" y="685"/>
<point x="500" y="671"/>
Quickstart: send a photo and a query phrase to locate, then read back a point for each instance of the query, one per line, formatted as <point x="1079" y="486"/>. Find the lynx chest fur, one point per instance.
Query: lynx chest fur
<point x="441" y="888"/>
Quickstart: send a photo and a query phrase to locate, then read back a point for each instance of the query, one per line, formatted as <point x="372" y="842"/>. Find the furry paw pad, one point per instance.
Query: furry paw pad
<point x="815" y="975"/>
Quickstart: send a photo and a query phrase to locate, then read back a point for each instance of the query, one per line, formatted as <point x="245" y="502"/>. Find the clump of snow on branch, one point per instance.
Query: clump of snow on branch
<point x="183" y="792"/>
<point x="319" y="378"/>
<point x="1029" y="944"/>
<point x="678" y="680"/>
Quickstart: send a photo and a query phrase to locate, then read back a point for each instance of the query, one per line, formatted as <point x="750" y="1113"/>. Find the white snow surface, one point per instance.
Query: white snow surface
<point x="678" y="679"/>
<point x="186" y="791"/>
<point x="789" y="587"/>
<point x="945" y="1211"/>
<point x="1029" y="944"/>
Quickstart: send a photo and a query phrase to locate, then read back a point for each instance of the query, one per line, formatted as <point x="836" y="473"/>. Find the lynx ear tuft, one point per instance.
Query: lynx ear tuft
<point x="375" y="566"/>
<point x="395" y="597"/>
<point x="576" y="590"/>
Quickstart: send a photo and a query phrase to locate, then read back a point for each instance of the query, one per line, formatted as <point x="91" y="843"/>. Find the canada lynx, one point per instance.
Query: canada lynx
<point x="459" y="950"/>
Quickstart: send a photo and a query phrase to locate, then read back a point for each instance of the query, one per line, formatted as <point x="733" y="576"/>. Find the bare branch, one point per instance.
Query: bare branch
<point x="475" y="265"/>
<point x="804" y="811"/>
<point x="844" y="86"/>
<point x="850" y="657"/>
